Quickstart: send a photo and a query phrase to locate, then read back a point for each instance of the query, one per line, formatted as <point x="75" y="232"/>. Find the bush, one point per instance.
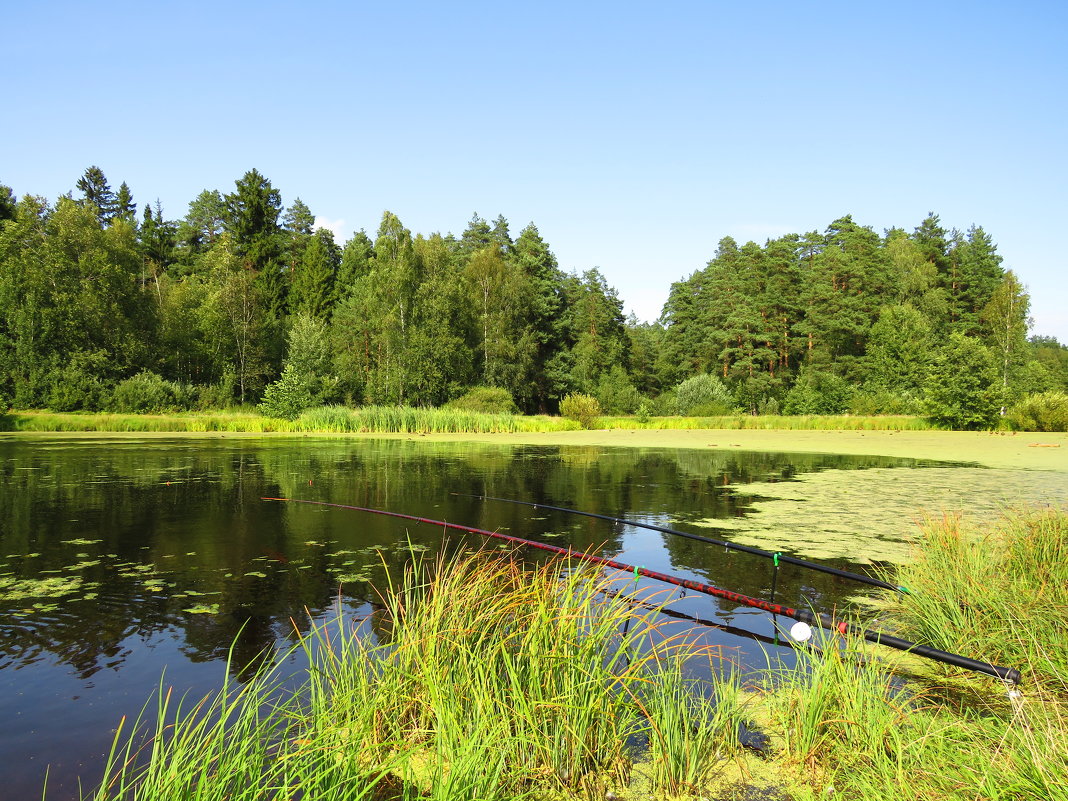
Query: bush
<point x="488" y="400"/>
<point x="147" y="393"/>
<point x="665" y="404"/>
<point x="287" y="397"/>
<point x="817" y="392"/>
<point x="217" y="396"/>
<point x="616" y="394"/>
<point x="583" y="408"/>
<point x="962" y="391"/>
<point x="1043" y="411"/>
<point x="74" y="389"/>
<point x="703" y="395"/>
<point x="878" y="400"/>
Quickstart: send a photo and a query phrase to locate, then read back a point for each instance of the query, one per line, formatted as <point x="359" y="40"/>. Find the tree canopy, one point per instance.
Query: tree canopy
<point x="224" y="301"/>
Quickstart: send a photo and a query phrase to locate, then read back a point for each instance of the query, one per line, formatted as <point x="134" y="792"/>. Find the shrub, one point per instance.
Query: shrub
<point x="962" y="390"/>
<point x="644" y="410"/>
<point x="817" y="392"/>
<point x="665" y="404"/>
<point x="704" y="395"/>
<point x="583" y="408"/>
<point x="287" y="397"/>
<point x="75" y="389"/>
<point x="144" y="393"/>
<point x="217" y="396"/>
<point x="1043" y="411"/>
<point x="769" y="407"/>
<point x="878" y="400"/>
<point x="488" y="400"/>
<point x="616" y="394"/>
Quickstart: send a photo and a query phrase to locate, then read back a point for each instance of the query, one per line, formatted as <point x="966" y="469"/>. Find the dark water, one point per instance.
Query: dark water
<point x="123" y="558"/>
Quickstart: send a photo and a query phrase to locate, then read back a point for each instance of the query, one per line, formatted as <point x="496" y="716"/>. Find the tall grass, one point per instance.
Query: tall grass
<point x="800" y="422"/>
<point x="1001" y="592"/>
<point x="482" y="680"/>
<point x="199" y="422"/>
<point x="411" y="420"/>
<point x="848" y="723"/>
<point x="323" y="419"/>
<point x="876" y="730"/>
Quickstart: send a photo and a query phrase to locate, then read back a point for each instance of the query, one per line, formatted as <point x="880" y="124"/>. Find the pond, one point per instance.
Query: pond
<point x="122" y="558"/>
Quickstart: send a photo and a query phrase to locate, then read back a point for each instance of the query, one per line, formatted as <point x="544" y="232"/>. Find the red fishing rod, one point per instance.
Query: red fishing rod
<point x="1010" y="675"/>
<point x="778" y="557"/>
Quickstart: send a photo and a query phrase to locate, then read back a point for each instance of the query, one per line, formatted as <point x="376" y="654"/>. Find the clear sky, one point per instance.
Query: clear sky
<point x="634" y="135"/>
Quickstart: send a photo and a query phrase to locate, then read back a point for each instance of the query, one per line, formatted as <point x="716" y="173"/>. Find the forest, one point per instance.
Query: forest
<point x="105" y="305"/>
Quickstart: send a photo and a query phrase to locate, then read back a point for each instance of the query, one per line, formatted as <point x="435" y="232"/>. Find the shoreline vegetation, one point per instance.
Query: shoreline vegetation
<point x="896" y="436"/>
<point x="479" y="678"/>
<point x="413" y="420"/>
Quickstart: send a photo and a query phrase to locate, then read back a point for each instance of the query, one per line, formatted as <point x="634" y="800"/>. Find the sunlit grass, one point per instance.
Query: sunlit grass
<point x="810" y="422"/>
<point x="871" y="726"/>
<point x="413" y="420"/>
<point x="1000" y="591"/>
<point x="477" y="679"/>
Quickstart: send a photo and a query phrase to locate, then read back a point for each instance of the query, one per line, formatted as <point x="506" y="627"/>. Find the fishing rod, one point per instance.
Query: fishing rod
<point x="777" y="557"/>
<point x="1009" y="675"/>
<point x="735" y="631"/>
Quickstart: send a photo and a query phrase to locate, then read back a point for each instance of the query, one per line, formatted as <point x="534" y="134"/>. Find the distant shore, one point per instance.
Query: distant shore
<point x="1005" y="450"/>
<point x="1022" y="451"/>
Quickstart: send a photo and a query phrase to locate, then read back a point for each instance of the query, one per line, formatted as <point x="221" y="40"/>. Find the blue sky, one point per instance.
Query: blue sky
<point x="634" y="135"/>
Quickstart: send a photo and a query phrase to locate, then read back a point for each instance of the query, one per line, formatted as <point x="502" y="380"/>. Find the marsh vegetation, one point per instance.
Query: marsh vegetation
<point x="478" y="678"/>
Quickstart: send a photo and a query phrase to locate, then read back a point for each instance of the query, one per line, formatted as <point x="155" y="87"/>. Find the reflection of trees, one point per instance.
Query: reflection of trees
<point x="192" y="509"/>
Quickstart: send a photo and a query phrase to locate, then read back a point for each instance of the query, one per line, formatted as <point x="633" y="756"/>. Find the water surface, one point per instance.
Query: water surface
<point x="122" y="558"/>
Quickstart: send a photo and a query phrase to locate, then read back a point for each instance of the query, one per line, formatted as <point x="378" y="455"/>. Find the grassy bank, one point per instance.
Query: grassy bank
<point x="482" y="681"/>
<point x="322" y="420"/>
<point x="874" y="726"/>
<point x="1000" y="450"/>
<point x="408" y="420"/>
<point x="485" y="680"/>
<point x="800" y="422"/>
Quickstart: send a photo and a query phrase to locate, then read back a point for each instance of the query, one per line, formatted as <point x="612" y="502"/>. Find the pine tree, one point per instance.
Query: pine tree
<point x="252" y="211"/>
<point x="356" y="258"/>
<point x="125" y="208"/>
<point x="97" y="193"/>
<point x="311" y="290"/>
<point x="544" y="312"/>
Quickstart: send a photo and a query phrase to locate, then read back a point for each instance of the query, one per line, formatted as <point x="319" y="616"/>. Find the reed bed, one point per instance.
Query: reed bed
<point x="809" y="422"/>
<point x="1000" y="591"/>
<point x="412" y="420"/>
<point x="478" y="679"/>
<point x="875" y="729"/>
<point x="198" y="422"/>
<point x="851" y="728"/>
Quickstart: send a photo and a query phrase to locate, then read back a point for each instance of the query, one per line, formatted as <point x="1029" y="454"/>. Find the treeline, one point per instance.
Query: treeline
<point x="849" y="320"/>
<point x="91" y="293"/>
<point x="103" y="306"/>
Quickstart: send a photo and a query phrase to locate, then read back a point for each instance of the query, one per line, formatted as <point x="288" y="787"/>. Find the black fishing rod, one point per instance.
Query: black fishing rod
<point x="700" y="621"/>
<point x="778" y="557"/>
<point x="821" y="619"/>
